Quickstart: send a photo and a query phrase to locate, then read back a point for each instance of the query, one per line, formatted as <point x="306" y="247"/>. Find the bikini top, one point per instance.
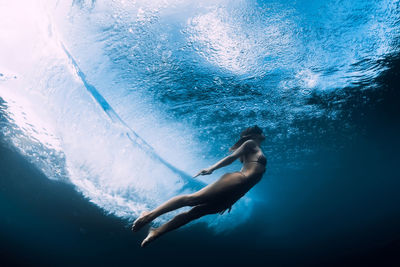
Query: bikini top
<point x="261" y="159"/>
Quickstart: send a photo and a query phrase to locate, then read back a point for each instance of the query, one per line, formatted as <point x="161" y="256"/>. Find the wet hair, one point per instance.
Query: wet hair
<point x="247" y="134"/>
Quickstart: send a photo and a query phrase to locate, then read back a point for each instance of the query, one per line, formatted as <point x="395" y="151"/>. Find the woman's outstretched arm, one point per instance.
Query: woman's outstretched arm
<point x="243" y="149"/>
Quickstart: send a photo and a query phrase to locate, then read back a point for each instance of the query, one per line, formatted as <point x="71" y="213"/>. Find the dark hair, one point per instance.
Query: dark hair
<point x="247" y="134"/>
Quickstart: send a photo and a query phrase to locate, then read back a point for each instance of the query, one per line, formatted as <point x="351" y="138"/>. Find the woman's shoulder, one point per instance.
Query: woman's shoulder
<point x="250" y="143"/>
<point x="248" y="147"/>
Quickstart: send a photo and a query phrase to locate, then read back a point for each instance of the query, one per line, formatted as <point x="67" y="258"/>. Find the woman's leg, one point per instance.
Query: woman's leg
<point x="172" y="204"/>
<point x="179" y="220"/>
<point x="216" y="190"/>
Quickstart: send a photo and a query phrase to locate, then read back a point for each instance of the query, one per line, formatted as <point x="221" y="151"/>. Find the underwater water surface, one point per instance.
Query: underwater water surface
<point x="107" y="108"/>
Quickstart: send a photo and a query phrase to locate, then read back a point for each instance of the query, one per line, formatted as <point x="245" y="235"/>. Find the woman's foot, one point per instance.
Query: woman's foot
<point x="151" y="236"/>
<point x="141" y="221"/>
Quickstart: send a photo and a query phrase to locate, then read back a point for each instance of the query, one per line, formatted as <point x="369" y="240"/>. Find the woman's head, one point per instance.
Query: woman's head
<point x="253" y="132"/>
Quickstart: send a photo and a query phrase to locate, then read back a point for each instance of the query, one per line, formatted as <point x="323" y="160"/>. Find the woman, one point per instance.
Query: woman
<point x="218" y="196"/>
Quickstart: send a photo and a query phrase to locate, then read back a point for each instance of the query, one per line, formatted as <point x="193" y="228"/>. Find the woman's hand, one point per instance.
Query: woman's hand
<point x="204" y="172"/>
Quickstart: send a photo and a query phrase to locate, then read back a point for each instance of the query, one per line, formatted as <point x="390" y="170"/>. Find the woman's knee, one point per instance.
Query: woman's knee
<point x="199" y="211"/>
<point x="193" y="199"/>
<point x="188" y="216"/>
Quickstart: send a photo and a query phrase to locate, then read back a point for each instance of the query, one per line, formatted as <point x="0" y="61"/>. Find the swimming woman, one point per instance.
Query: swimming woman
<point x="218" y="196"/>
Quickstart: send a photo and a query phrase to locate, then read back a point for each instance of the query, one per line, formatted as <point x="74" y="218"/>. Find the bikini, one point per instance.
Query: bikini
<point x="261" y="159"/>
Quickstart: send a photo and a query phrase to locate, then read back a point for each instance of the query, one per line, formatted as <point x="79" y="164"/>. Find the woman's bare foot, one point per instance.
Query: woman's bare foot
<point x="153" y="234"/>
<point x="141" y="221"/>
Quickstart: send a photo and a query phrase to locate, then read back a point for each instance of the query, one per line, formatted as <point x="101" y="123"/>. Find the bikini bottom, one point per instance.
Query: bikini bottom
<point x="225" y="202"/>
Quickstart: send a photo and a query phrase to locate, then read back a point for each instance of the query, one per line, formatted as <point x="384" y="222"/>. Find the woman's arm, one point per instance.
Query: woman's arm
<point x="240" y="151"/>
<point x="243" y="149"/>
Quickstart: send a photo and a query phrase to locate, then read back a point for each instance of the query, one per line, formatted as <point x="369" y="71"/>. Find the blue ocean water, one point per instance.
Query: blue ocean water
<point x="121" y="102"/>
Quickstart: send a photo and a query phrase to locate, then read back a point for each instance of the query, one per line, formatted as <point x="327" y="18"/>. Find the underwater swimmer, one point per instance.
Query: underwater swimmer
<point x="218" y="196"/>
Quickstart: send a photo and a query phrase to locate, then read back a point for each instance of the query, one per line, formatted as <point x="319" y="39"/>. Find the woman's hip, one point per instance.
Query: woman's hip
<point x="227" y="184"/>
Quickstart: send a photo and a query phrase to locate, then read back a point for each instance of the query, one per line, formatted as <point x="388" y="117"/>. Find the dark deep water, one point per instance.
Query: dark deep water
<point x="329" y="108"/>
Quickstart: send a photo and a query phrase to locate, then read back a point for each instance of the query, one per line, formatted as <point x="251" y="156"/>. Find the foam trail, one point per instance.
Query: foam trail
<point x="190" y="183"/>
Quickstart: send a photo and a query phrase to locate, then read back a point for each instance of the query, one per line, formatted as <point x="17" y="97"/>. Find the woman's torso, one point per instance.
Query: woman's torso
<point x="254" y="163"/>
<point x="234" y="187"/>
